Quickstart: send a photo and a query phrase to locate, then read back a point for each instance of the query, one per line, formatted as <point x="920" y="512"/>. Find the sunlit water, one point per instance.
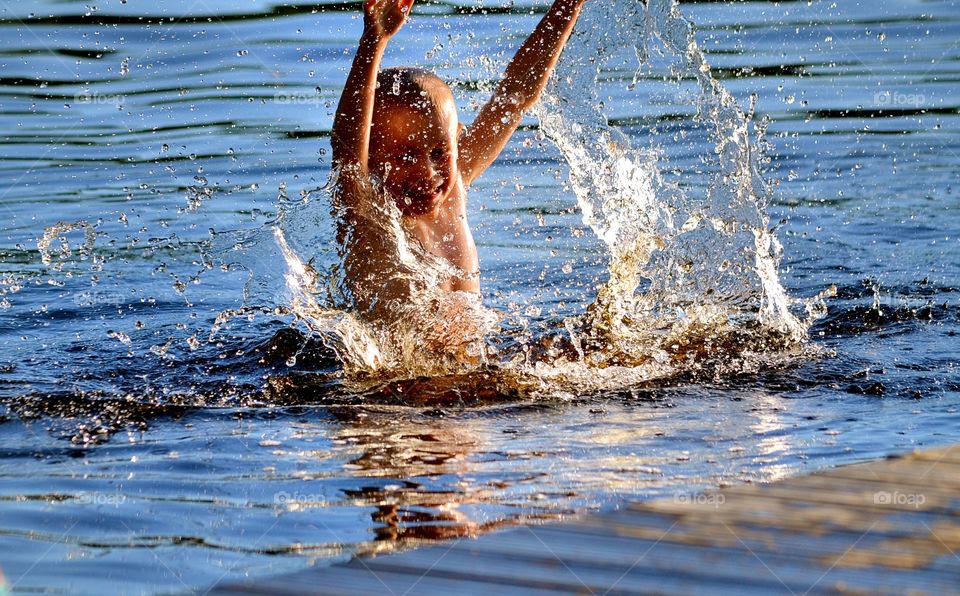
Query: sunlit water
<point x="157" y="433"/>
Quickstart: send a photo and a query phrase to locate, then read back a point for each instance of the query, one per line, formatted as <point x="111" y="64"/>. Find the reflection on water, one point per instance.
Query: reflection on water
<point x="408" y="510"/>
<point x="773" y="440"/>
<point x="140" y="433"/>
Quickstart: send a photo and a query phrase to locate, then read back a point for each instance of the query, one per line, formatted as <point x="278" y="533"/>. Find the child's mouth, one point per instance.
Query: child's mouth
<point x="424" y="195"/>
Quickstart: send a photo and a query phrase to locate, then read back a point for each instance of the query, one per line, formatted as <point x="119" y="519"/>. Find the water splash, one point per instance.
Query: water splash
<point x="379" y="306"/>
<point x="692" y="274"/>
<point x="57" y="256"/>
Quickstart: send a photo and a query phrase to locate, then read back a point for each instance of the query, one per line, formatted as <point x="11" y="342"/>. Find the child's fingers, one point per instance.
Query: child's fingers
<point x="374" y="5"/>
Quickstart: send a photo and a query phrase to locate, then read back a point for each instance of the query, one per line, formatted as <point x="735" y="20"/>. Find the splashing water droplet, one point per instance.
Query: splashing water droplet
<point x="119" y="336"/>
<point x="59" y="232"/>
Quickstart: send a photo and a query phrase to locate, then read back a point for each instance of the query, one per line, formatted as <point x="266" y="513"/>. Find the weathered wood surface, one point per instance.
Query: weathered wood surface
<point x="889" y="526"/>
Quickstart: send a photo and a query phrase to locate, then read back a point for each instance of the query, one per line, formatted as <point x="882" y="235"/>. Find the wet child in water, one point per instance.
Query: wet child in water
<point x="396" y="129"/>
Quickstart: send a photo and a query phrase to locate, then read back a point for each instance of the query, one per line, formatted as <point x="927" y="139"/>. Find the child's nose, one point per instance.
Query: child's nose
<point x="433" y="168"/>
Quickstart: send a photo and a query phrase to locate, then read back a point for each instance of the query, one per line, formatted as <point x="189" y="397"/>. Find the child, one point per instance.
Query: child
<point x="397" y="130"/>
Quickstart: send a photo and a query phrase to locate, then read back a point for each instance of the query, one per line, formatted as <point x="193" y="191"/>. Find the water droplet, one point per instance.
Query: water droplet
<point x="119" y="336"/>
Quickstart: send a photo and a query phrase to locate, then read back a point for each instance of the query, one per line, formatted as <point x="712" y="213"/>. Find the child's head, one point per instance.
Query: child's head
<point x="413" y="138"/>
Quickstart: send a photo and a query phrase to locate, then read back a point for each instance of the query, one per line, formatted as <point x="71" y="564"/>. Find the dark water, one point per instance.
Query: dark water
<point x="140" y="452"/>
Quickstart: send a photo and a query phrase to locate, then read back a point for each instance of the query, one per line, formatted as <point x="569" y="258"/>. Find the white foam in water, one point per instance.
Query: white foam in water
<point x="693" y="275"/>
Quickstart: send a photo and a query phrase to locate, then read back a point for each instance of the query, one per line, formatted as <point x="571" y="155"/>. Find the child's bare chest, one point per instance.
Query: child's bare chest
<point x="447" y="234"/>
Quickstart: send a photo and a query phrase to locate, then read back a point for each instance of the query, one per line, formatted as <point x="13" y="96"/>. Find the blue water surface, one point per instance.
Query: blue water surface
<point x="141" y="453"/>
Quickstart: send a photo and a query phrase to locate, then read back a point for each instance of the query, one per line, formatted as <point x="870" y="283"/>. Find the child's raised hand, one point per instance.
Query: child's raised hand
<point x="385" y="17"/>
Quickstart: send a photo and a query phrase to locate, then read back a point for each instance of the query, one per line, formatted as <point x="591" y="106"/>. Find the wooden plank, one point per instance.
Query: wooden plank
<point x="900" y="472"/>
<point x="788" y="508"/>
<point x="896" y="550"/>
<point x="854" y="486"/>
<point x="640" y="565"/>
<point x="350" y="581"/>
<point x="943" y="455"/>
<point x="630" y="574"/>
<point x="889" y="526"/>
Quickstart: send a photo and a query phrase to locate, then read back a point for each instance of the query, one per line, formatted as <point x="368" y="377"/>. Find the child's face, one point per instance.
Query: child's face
<point x="413" y="150"/>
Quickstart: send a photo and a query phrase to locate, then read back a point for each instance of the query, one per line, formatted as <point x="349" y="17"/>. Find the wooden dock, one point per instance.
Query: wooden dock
<point x="889" y="526"/>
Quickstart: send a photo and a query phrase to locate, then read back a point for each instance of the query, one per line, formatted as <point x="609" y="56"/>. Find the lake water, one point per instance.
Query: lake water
<point x="143" y="450"/>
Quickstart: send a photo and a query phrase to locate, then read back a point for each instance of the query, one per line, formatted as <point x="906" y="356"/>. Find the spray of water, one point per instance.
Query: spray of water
<point x="693" y="263"/>
<point x="378" y="306"/>
<point x="54" y="246"/>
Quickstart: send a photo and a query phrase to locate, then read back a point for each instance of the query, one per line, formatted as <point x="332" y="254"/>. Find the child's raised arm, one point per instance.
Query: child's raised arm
<point x="524" y="79"/>
<point x="350" y="138"/>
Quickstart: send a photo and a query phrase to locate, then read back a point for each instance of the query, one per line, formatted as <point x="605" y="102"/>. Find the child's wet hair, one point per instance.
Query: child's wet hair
<point x="408" y="86"/>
